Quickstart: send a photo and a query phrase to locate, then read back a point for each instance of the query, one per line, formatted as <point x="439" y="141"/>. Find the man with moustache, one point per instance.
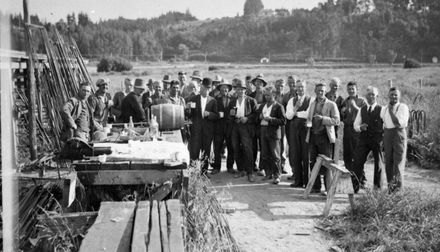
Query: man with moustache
<point x="395" y="118"/>
<point x="299" y="150"/>
<point x="203" y="116"/>
<point x="370" y="127"/>
<point x="243" y="113"/>
<point x="223" y="128"/>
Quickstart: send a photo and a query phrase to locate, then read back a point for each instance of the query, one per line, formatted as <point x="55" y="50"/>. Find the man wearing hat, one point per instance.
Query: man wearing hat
<point x="118" y="97"/>
<point x="258" y="95"/>
<point x="222" y="129"/>
<point x="243" y="113"/>
<point x="100" y="103"/>
<point x="182" y="79"/>
<point x="131" y="105"/>
<point x="249" y="86"/>
<point x="166" y="85"/>
<point x="215" y="82"/>
<point x="203" y="114"/>
<point x="291" y="82"/>
<point x="192" y="88"/>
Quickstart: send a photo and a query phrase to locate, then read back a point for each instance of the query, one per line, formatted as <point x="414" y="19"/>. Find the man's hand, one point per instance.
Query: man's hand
<point x="243" y="120"/>
<point x="267" y="118"/>
<point x="364" y="127"/>
<point x="110" y="103"/>
<point x="318" y="117"/>
<point x="205" y="113"/>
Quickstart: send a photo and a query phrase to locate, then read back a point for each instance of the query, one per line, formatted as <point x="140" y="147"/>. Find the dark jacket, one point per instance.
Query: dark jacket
<point x="131" y="106"/>
<point x="250" y="111"/>
<point x="203" y="126"/>
<point x="223" y="124"/>
<point x="278" y="119"/>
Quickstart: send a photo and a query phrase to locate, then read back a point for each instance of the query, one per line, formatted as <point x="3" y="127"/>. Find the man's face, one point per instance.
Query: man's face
<point x="394" y="97"/>
<point x="291" y="84"/>
<point x="371" y="98"/>
<point x="299" y="88"/>
<point x="320" y="92"/>
<point x="174" y="90"/>
<point x="279" y="86"/>
<point x="139" y="91"/>
<point x="103" y="88"/>
<point x="239" y="92"/>
<point x="85" y="92"/>
<point x="258" y="84"/>
<point x="157" y="88"/>
<point x="182" y="77"/>
<point x="269" y="96"/>
<point x="224" y="90"/>
<point x="128" y="86"/>
<point x="352" y="90"/>
<point x="334" y="87"/>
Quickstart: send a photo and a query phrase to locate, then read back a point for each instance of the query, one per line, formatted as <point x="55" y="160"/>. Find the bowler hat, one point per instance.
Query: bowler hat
<point x="259" y="77"/>
<point x="207" y="82"/>
<point x="196" y="75"/>
<point x="140" y="83"/>
<point x="226" y="83"/>
<point x="102" y="81"/>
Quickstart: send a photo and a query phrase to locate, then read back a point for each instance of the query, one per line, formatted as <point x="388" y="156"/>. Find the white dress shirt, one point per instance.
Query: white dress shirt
<point x="402" y="113"/>
<point x="203" y="104"/>
<point x="358" y="121"/>
<point x="240" y="108"/>
<point x="291" y="111"/>
<point x="266" y="112"/>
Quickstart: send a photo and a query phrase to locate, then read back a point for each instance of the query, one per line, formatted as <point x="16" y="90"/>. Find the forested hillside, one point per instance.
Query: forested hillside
<point x="362" y="30"/>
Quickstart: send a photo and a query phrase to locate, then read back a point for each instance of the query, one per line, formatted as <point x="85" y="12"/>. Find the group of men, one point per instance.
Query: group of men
<point x="252" y="116"/>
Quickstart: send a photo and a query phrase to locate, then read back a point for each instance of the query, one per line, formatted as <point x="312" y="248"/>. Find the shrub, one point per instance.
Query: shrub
<point x="116" y="64"/>
<point x="212" y="68"/>
<point x="411" y="63"/>
<point x="310" y="61"/>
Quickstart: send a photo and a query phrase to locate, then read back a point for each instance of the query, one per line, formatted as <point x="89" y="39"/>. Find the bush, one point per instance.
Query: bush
<point x="213" y="68"/>
<point x="310" y="61"/>
<point x="116" y="64"/>
<point x="411" y="63"/>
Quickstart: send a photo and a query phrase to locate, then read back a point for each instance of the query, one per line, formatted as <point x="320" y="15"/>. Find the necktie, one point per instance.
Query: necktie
<point x="369" y="110"/>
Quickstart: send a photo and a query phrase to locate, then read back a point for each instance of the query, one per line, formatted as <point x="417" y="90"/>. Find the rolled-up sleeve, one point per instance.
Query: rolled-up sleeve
<point x="403" y="115"/>
<point x="357" y="122"/>
<point x="289" y="110"/>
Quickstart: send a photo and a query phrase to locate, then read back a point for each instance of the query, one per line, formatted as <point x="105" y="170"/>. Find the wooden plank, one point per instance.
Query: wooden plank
<point x="329" y="163"/>
<point x="69" y="193"/>
<point x="140" y="230"/>
<point x="163" y="219"/>
<point x="175" y="235"/>
<point x="162" y="191"/>
<point x="112" y="229"/>
<point x="122" y="165"/>
<point x="315" y="172"/>
<point x="331" y="192"/>
<point x="154" y="243"/>
<point x="345" y="184"/>
<point x="130" y="177"/>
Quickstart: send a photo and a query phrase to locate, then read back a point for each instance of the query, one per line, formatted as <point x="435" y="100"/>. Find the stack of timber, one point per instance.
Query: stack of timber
<point x="57" y="80"/>
<point x="147" y="226"/>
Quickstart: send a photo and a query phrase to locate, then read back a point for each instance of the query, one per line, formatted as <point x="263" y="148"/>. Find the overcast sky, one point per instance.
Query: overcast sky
<point x="53" y="10"/>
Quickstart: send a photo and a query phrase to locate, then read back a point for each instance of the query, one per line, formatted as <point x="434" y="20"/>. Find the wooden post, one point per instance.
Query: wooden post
<point x="31" y="86"/>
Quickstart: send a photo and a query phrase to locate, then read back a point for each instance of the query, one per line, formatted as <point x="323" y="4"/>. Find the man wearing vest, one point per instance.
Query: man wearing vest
<point x="370" y="126"/>
<point x="242" y="111"/>
<point x="223" y="128"/>
<point x="348" y="112"/>
<point x="298" y="148"/>
<point x="323" y="116"/>
<point x="395" y="117"/>
<point x="203" y="115"/>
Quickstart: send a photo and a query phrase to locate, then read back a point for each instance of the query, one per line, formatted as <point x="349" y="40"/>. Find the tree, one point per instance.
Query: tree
<point x="252" y="7"/>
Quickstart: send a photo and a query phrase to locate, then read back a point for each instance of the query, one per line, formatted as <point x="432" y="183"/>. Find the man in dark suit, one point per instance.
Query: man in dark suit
<point x="272" y="118"/>
<point x="131" y="105"/>
<point x="242" y="111"/>
<point x="223" y="129"/>
<point x="298" y="148"/>
<point x="370" y="126"/>
<point x="203" y="115"/>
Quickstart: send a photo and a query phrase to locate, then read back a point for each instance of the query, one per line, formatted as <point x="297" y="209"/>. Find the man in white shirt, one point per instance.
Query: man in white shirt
<point x="370" y="127"/>
<point x="395" y="120"/>
<point x="298" y="148"/>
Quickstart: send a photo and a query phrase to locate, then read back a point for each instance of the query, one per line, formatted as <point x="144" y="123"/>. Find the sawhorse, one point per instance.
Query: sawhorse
<point x="339" y="178"/>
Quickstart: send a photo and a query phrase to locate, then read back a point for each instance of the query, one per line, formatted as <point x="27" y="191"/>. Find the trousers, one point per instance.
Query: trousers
<point x="395" y="144"/>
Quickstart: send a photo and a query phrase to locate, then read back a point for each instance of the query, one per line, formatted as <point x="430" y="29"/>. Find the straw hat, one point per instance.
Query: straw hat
<point x="140" y="83"/>
<point x="239" y="84"/>
<point x="226" y="83"/>
<point x="218" y="79"/>
<point x="259" y="77"/>
<point x="196" y="75"/>
<point x="166" y="79"/>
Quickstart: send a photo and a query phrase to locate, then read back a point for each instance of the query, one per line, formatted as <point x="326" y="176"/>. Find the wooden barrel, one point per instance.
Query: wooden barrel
<point x="168" y="116"/>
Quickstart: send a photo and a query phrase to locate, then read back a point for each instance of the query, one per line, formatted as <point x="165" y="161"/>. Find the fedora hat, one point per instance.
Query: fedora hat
<point x="140" y="83"/>
<point x="239" y="84"/>
<point x="226" y="83"/>
<point x="207" y="82"/>
<point x="259" y="77"/>
<point x="166" y="79"/>
<point x="102" y="81"/>
<point x="196" y="75"/>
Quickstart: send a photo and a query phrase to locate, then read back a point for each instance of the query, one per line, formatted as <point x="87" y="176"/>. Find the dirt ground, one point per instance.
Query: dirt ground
<point x="267" y="217"/>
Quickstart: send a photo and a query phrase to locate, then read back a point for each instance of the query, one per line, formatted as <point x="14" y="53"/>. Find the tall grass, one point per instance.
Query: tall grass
<point x="408" y="220"/>
<point x="205" y="228"/>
